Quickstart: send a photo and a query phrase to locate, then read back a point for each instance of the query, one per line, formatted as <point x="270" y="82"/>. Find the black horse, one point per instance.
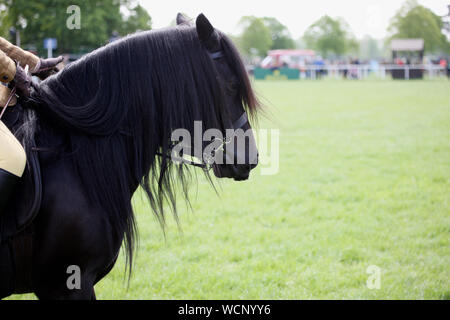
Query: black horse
<point x="102" y="128"/>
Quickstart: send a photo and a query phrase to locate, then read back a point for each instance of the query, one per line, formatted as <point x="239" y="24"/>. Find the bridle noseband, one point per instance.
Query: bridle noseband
<point x="208" y="159"/>
<point x="216" y="55"/>
<point x="238" y="124"/>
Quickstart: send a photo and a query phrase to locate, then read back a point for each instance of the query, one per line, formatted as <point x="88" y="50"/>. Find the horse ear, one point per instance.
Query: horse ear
<point x="204" y="28"/>
<point x="181" y="19"/>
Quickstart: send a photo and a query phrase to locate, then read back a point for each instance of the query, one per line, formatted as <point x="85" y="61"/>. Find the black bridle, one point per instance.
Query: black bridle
<point x="207" y="165"/>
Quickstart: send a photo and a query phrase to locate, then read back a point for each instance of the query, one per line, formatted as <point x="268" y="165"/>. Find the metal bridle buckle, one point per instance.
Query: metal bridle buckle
<point x="209" y="158"/>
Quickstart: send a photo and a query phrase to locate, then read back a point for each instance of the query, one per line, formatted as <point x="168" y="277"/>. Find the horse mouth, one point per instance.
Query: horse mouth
<point x="242" y="178"/>
<point x="221" y="171"/>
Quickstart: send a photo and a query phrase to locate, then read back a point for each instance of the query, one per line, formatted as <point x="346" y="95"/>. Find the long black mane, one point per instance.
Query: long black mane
<point x="119" y="105"/>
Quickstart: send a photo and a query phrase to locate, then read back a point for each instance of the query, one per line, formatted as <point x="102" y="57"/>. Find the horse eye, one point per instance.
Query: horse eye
<point x="232" y="86"/>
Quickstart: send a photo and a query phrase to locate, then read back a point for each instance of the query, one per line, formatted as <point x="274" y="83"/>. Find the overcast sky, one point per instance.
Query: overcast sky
<point x="364" y="16"/>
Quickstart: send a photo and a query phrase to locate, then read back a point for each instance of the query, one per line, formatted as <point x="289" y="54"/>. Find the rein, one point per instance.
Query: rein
<point x="13" y="91"/>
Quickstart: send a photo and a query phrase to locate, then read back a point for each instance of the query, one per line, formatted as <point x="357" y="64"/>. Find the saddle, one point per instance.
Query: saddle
<point x="25" y="203"/>
<point x="16" y="223"/>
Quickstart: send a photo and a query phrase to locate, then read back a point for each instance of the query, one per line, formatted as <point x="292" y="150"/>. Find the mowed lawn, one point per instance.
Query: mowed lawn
<point x="364" y="180"/>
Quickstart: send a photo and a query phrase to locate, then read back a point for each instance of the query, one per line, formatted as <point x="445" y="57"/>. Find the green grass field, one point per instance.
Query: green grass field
<point x="364" y="180"/>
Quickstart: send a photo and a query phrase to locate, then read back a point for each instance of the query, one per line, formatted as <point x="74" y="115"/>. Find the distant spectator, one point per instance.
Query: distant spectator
<point x="319" y="63"/>
<point x="448" y="69"/>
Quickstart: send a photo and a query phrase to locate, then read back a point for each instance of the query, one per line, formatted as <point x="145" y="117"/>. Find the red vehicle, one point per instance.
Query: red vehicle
<point x="289" y="58"/>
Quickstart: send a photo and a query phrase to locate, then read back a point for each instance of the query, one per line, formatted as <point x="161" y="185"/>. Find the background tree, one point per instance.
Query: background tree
<point x="41" y="19"/>
<point x="416" y="21"/>
<point x="330" y="36"/>
<point x="281" y="38"/>
<point x="256" y="38"/>
<point x="369" y="48"/>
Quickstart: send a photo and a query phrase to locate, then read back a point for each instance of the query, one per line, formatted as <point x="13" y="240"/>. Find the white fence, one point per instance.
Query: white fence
<point x="361" y="71"/>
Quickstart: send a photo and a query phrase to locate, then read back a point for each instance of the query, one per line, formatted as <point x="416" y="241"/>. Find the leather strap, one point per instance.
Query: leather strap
<point x="8" y="101"/>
